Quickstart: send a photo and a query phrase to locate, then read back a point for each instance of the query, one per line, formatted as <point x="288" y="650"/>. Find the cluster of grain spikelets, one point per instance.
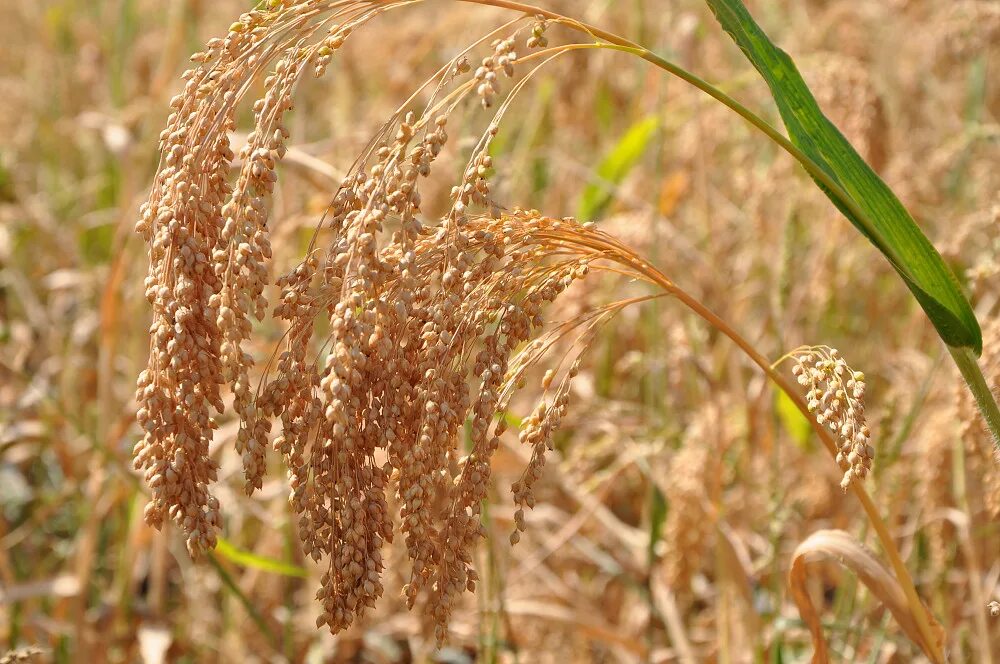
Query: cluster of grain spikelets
<point x="209" y="246"/>
<point x="690" y="523"/>
<point x="836" y="398"/>
<point x="423" y="345"/>
<point x="22" y="655"/>
<point x="428" y="324"/>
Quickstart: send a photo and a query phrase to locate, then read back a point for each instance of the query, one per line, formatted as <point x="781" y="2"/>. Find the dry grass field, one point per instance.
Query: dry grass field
<point x="645" y="492"/>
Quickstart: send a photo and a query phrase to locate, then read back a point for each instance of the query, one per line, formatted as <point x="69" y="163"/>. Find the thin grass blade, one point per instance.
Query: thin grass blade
<point x="246" y="559"/>
<point x="615" y="166"/>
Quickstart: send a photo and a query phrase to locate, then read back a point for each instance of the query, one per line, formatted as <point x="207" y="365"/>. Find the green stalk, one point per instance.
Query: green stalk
<point x="616" y="43"/>
<point x="973" y="375"/>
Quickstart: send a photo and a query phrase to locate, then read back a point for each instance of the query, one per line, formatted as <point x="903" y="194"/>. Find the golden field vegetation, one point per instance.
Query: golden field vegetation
<point x="372" y="376"/>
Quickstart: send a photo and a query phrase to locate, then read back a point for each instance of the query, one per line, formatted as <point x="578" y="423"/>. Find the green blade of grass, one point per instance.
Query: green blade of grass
<point x="250" y="607"/>
<point x="246" y="559"/>
<point x="871" y="206"/>
<point x="615" y="166"/>
<point x="793" y="420"/>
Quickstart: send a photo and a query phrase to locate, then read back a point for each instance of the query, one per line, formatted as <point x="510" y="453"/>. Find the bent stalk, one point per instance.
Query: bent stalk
<point x="965" y="361"/>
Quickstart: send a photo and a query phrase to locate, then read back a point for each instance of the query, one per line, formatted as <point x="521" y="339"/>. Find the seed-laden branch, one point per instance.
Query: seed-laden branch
<point x="432" y="324"/>
<point x="837" y="450"/>
<point x="964" y="359"/>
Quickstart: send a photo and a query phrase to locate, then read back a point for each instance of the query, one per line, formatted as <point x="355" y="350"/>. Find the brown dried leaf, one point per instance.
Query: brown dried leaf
<point x="842" y="547"/>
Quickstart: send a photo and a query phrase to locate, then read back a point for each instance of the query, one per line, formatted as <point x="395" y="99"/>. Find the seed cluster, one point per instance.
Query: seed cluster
<point x="208" y="250"/>
<point x="836" y="397"/>
<point x="22" y="655"/>
<point x="177" y="393"/>
<point x="501" y="60"/>
<point x="387" y="422"/>
<point x="538" y="38"/>
<point x="423" y="332"/>
<point x="690" y="523"/>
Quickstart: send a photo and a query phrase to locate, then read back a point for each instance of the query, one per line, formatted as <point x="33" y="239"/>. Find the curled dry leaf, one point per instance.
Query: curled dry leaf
<point x="842" y="547"/>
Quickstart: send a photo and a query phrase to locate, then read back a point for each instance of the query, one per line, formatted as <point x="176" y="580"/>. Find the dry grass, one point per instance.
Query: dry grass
<point x="342" y="289"/>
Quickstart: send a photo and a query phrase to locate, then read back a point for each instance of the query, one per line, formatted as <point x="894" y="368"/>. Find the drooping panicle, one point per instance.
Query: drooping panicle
<point x="427" y="324"/>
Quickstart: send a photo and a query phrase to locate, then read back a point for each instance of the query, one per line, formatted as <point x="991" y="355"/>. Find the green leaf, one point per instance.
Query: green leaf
<point x="246" y="559"/>
<point x="614" y="167"/>
<point x="853" y="186"/>
<point x="511" y="419"/>
<point x="793" y="420"/>
<point x="657" y="517"/>
<point x="248" y="605"/>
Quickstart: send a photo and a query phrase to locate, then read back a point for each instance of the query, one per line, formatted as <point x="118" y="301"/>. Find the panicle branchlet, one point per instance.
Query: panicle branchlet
<point x="208" y="252"/>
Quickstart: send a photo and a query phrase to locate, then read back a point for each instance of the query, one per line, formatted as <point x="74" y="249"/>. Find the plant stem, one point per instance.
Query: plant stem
<point x="963" y="357"/>
<point x="618" y="43"/>
<point x="973" y="376"/>
<point x="917" y="608"/>
<point x="920" y="613"/>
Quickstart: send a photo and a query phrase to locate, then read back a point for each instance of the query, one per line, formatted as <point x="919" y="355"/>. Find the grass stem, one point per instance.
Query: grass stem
<point x="917" y="607"/>
<point x="974" y="378"/>
<point x="963" y="357"/>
